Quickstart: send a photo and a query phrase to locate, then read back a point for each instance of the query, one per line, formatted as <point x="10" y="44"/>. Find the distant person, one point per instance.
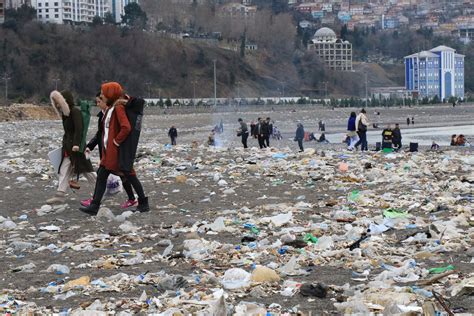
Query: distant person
<point x="322" y="139"/>
<point x="361" y="126"/>
<point x="300" y="136"/>
<point x="323" y="126"/>
<point x="453" y="139"/>
<point x="454" y="103"/>
<point x="243" y="131"/>
<point x="260" y="129"/>
<point x="397" y="137"/>
<point x="387" y="137"/>
<point x="312" y="137"/>
<point x="253" y="129"/>
<point x="352" y="131"/>
<point x="461" y="140"/>
<point x="434" y="146"/>
<point x="269" y="130"/>
<point x="276" y="134"/>
<point x="412" y="120"/>
<point x="221" y="127"/>
<point x="73" y="161"/>
<point x="320" y="125"/>
<point x="408" y="121"/>
<point x="173" y="134"/>
<point x="211" y="140"/>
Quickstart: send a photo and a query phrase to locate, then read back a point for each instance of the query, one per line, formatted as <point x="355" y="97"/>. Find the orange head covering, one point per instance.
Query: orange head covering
<point x="112" y="91"/>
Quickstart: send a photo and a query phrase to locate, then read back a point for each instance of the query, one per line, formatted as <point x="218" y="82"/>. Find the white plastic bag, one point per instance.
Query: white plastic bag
<point x="114" y="185"/>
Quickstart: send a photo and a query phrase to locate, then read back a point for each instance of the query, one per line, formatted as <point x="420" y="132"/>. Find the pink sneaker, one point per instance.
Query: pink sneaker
<point x="86" y="203"/>
<point x="129" y="203"/>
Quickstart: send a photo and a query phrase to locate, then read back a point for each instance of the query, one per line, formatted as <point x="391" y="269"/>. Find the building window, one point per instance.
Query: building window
<point x="47" y="16"/>
<point x="56" y="16"/>
<point x="39" y="10"/>
<point x="46" y="10"/>
<point x="56" y="10"/>
<point x="56" y="4"/>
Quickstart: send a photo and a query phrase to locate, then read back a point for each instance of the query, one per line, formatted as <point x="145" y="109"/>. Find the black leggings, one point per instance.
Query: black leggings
<point x="101" y="184"/>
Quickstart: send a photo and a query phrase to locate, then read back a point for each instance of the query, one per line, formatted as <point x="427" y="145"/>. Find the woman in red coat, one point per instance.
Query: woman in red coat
<point x="116" y="129"/>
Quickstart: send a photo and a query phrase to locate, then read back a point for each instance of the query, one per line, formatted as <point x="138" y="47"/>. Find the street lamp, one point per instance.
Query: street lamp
<point x="215" y="84"/>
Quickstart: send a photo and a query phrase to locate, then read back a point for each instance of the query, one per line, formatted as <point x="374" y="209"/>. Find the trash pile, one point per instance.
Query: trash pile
<point x="236" y="232"/>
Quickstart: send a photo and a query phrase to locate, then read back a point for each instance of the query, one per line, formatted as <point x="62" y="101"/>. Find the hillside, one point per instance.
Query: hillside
<point x="38" y="57"/>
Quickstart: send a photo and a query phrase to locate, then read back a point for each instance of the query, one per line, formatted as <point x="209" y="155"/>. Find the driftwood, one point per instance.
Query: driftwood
<point x="435" y="278"/>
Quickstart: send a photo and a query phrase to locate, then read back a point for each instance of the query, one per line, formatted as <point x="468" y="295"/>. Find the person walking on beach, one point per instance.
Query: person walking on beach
<point x="361" y="127"/>
<point x="412" y="120"/>
<point x="260" y="133"/>
<point x="351" y="131"/>
<point x="95" y="141"/>
<point x="73" y="161"/>
<point x="243" y="131"/>
<point x="269" y="131"/>
<point x="408" y="121"/>
<point x="116" y="148"/>
<point x="173" y="134"/>
<point x="300" y="136"/>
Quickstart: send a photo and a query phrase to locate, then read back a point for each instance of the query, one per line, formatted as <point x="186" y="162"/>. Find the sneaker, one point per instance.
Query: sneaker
<point x="58" y="198"/>
<point x="128" y="203"/>
<point x="86" y="202"/>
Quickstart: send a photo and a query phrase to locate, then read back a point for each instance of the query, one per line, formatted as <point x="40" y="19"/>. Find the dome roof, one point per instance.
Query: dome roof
<point x="324" y="32"/>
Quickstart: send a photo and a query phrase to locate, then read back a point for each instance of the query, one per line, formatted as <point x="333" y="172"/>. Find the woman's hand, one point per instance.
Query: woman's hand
<point x="75" y="148"/>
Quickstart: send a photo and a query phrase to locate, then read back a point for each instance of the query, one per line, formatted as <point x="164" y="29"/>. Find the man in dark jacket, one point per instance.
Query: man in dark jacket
<point x="397" y="137"/>
<point x="260" y="130"/>
<point x="243" y="131"/>
<point x="269" y="131"/>
<point x="300" y="136"/>
<point x="173" y="134"/>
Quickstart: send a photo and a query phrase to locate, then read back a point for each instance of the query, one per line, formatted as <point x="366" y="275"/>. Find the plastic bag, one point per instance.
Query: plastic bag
<point x="114" y="185"/>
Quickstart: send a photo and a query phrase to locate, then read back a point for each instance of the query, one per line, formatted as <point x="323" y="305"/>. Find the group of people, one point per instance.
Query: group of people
<point x="357" y="130"/>
<point x="459" y="140"/>
<point x="119" y="126"/>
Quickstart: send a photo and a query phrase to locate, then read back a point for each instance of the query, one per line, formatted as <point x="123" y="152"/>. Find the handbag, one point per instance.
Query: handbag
<point x="362" y="127"/>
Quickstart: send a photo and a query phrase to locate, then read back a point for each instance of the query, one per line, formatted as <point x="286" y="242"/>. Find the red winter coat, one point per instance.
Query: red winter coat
<point x="119" y="128"/>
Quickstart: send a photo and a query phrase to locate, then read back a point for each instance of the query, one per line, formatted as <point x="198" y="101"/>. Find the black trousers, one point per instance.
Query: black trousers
<point x="300" y="143"/>
<point x="101" y="185"/>
<point x="261" y="141"/>
<point x="267" y="140"/>
<point x="173" y="140"/>
<point x="245" y="136"/>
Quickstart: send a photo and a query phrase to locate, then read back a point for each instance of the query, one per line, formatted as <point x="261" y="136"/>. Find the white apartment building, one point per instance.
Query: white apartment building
<point x="77" y="11"/>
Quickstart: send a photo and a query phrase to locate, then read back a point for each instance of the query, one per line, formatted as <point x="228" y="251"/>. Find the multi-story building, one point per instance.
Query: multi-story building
<point x="437" y="72"/>
<point x="15" y="4"/>
<point x="117" y="8"/>
<point x="336" y="53"/>
<point x="2" y="11"/>
<point x="77" y="11"/>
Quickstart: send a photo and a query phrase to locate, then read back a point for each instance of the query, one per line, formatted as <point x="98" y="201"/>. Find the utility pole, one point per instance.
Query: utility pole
<point x="148" y="84"/>
<point x="6" y="77"/>
<point x="194" y="89"/>
<point x="56" y="80"/>
<point x="215" y="84"/>
<point x="366" y="82"/>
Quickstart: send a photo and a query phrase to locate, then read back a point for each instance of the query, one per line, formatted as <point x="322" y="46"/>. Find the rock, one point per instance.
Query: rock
<point x="264" y="274"/>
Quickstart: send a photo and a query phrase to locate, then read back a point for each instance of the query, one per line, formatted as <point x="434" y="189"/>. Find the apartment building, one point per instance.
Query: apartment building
<point x="437" y="72"/>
